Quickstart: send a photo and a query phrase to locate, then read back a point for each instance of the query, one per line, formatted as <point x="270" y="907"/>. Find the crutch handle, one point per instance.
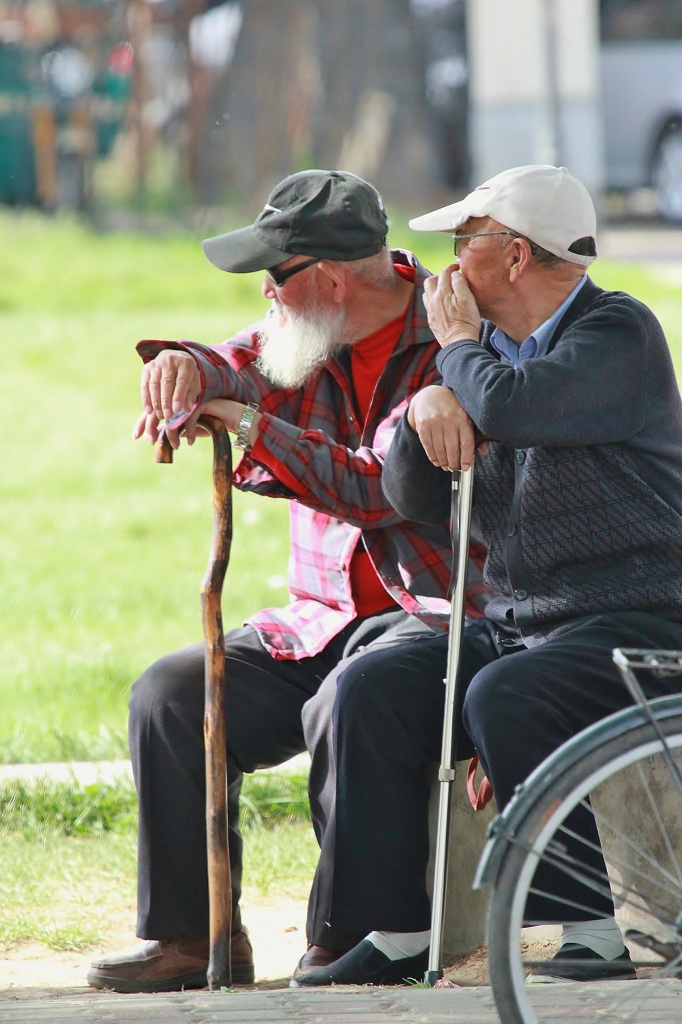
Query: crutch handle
<point x="163" y="450"/>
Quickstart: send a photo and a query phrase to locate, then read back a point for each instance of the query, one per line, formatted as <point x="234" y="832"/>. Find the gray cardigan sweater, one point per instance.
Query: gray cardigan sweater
<point x="580" y="498"/>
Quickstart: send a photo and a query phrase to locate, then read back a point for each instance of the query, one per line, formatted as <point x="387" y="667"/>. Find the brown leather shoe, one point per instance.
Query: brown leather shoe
<point x="168" y="966"/>
<point x="314" y="958"/>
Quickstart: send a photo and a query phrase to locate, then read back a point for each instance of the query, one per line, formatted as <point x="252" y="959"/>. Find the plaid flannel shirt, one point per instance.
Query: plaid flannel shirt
<point x="314" y="432"/>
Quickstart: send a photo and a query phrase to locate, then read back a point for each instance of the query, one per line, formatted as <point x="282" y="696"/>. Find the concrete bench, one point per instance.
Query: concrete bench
<point x="638" y="849"/>
<point x="465" y="909"/>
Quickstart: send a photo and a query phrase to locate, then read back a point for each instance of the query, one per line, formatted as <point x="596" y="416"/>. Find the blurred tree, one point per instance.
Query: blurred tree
<point x="319" y="83"/>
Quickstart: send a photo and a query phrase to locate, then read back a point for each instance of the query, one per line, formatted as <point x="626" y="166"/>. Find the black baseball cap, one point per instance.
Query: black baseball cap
<point x="333" y="215"/>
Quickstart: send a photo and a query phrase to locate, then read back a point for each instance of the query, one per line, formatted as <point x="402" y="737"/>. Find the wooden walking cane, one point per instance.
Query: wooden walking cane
<point x="219" y="974"/>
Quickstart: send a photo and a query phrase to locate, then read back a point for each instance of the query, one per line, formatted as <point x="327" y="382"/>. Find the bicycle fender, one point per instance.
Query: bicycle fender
<point x="503" y="828"/>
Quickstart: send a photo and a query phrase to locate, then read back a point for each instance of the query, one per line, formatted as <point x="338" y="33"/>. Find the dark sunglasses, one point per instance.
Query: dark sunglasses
<point x="280" y="276"/>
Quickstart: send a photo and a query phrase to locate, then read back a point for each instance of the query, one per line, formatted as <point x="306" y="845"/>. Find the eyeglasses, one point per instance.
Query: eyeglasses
<point x="280" y="276"/>
<point x="479" y="234"/>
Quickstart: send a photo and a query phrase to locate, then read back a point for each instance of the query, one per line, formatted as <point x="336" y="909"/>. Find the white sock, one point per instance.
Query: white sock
<point x="398" y="945"/>
<point x="603" y="937"/>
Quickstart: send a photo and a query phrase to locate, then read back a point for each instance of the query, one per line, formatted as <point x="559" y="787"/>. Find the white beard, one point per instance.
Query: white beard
<point x="293" y="348"/>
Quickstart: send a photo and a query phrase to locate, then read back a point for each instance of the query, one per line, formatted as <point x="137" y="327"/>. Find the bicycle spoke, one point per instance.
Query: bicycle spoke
<point x="591" y="833"/>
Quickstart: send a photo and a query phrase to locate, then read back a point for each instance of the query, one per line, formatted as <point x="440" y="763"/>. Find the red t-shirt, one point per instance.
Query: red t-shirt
<point x="368" y="358"/>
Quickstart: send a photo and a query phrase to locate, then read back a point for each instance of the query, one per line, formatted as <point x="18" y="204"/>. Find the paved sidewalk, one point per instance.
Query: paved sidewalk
<point x="87" y="773"/>
<point x="282" y="1006"/>
<point x="655" y="245"/>
<point x="652" y="1003"/>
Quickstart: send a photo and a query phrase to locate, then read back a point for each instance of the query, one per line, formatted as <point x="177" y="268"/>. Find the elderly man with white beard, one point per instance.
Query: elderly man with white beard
<point x="313" y="393"/>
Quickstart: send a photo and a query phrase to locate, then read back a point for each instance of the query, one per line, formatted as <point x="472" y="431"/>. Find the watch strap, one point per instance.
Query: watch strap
<point x="242" y="439"/>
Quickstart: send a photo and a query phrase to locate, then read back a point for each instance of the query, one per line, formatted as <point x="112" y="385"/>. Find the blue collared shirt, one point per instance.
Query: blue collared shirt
<point x="537" y="343"/>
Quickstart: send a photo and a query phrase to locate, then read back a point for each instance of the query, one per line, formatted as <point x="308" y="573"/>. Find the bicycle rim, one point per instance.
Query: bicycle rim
<point x="630" y="792"/>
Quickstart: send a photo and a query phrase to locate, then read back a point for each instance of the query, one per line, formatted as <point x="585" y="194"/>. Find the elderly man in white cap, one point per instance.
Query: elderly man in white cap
<point x="568" y="391"/>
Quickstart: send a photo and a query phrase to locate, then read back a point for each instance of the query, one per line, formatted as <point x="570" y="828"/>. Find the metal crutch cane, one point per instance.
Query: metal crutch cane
<point x="219" y="974"/>
<point x="462" y="493"/>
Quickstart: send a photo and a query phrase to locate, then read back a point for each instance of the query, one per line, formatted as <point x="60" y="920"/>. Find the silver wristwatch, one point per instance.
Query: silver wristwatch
<point x="242" y="439"/>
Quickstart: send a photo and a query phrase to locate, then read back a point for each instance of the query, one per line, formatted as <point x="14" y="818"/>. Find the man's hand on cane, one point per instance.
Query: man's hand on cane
<point x="171" y="384"/>
<point x="444" y="428"/>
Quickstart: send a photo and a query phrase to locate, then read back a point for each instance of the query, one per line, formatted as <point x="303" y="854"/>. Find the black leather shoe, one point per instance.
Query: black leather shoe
<point x="314" y="958"/>
<point x="364" y="964"/>
<point x="578" y="963"/>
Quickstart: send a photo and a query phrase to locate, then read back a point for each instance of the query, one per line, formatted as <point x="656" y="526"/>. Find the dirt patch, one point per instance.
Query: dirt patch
<point x="277" y="929"/>
<point x="469" y="970"/>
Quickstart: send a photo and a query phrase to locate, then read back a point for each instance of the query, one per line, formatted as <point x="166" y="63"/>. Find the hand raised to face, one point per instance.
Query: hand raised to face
<point x="451" y="308"/>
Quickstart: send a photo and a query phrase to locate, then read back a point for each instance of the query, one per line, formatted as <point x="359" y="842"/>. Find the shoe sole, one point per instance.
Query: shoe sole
<point x="558" y="979"/>
<point x="242" y="974"/>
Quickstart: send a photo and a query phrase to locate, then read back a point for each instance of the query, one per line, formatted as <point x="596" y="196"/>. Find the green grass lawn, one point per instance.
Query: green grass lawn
<point x="103" y="551"/>
<point x="68" y="849"/>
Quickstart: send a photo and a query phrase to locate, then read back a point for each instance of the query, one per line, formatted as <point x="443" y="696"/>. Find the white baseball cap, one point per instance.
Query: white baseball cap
<point x="546" y="204"/>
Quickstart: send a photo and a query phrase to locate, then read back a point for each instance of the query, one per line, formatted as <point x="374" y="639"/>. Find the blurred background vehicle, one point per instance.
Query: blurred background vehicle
<point x="641" y="97"/>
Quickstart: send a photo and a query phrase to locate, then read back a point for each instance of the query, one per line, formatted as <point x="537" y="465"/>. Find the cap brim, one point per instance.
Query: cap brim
<point x="242" y="251"/>
<point x="448" y="218"/>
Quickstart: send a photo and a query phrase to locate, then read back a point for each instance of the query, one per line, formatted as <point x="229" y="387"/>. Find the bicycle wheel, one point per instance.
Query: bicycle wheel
<point x="601" y="820"/>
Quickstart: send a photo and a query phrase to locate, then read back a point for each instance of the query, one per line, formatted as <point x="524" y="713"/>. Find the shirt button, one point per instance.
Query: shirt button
<point x="341" y="565"/>
<point x="521" y="594"/>
<point x="512" y="530"/>
<point x="520" y="457"/>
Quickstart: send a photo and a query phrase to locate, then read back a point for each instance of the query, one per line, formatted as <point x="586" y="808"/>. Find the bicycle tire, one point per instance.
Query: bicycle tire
<point x="538" y="835"/>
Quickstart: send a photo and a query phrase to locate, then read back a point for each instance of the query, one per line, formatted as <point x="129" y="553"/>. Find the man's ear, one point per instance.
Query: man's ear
<point x="334" y="284"/>
<point x="520" y="257"/>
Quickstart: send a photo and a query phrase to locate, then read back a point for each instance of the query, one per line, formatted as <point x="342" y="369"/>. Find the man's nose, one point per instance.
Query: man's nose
<point x="268" y="288"/>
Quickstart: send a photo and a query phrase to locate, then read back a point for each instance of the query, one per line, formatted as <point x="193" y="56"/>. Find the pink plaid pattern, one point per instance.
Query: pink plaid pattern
<point x="313" y="431"/>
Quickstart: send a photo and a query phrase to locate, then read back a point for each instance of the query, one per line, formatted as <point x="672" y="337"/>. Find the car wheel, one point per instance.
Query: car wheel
<point x="667" y="174"/>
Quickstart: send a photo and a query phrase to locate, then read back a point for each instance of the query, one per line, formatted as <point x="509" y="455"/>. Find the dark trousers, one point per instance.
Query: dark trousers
<point x="372" y="706"/>
<point x="383" y="718"/>
<point x="264" y="698"/>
